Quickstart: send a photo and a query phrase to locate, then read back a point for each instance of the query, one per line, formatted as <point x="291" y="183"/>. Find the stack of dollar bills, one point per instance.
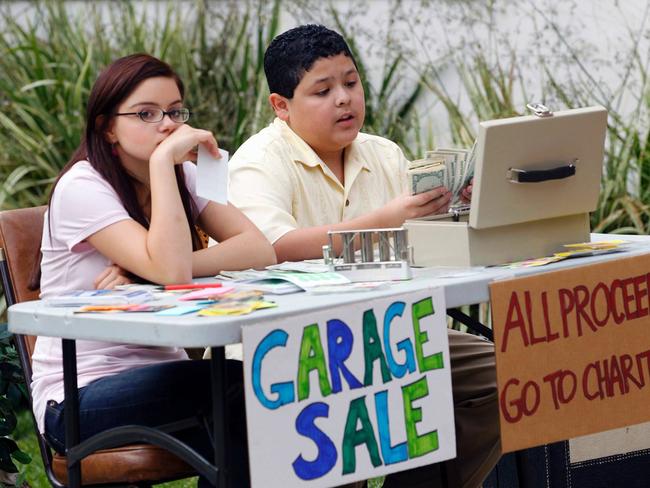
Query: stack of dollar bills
<point x="451" y="168"/>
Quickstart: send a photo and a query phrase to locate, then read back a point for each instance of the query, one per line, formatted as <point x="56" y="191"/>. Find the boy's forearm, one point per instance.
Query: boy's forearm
<point x="301" y="244"/>
<point x="308" y="242"/>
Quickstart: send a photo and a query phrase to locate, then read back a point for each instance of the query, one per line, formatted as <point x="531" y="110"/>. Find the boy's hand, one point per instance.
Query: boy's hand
<point x="396" y="211"/>
<point x="111" y="277"/>
<point x="466" y="193"/>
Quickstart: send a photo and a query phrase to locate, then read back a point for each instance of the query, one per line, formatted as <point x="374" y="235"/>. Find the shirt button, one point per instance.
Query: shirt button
<point x="347" y="203"/>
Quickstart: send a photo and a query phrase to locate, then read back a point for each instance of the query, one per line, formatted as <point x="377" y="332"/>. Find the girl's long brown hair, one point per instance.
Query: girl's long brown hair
<point x="114" y="84"/>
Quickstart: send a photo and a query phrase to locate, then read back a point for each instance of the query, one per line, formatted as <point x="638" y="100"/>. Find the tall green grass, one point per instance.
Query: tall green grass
<point x="49" y="63"/>
<point x="624" y="202"/>
<point x="493" y="81"/>
<point x="488" y="87"/>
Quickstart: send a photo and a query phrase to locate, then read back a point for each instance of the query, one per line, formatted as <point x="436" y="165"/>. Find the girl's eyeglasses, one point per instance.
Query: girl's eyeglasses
<point x="153" y="115"/>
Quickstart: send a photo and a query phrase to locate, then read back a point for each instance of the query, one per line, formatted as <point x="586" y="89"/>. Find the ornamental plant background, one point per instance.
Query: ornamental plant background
<point x="12" y="396"/>
<point x="426" y="65"/>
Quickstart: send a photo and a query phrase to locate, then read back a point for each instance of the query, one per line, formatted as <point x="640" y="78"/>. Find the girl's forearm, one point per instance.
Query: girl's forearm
<point x="169" y="242"/>
<point x="243" y="251"/>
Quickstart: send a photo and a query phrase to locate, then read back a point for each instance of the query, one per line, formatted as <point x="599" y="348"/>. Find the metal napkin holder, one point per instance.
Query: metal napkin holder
<point x="385" y="254"/>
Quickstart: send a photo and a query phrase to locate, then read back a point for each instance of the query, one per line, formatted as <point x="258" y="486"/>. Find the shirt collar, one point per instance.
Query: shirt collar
<point x="302" y="153"/>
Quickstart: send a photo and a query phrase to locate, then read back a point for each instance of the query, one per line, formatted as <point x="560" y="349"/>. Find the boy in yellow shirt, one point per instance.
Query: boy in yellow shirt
<point x="312" y="170"/>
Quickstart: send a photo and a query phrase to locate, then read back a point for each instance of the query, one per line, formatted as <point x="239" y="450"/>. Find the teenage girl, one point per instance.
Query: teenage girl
<point x="126" y="203"/>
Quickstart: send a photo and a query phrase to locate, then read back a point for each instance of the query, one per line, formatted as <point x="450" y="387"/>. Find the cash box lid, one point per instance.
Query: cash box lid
<point x="538" y="167"/>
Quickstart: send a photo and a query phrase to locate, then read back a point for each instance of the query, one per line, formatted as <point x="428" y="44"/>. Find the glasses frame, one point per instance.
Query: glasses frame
<point x="162" y="115"/>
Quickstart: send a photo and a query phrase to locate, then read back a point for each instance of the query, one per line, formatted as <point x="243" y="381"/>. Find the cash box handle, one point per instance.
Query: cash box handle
<point x="515" y="175"/>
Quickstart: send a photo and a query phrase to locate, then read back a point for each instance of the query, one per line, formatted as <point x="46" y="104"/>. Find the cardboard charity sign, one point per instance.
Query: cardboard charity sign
<point x="573" y="351"/>
<point x="349" y="393"/>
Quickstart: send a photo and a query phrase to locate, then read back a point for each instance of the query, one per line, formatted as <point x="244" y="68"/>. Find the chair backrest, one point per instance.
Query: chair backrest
<point x="20" y="241"/>
<point x="20" y="238"/>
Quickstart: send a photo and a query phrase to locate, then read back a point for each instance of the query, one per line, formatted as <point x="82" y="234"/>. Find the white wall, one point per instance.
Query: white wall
<point x="600" y="31"/>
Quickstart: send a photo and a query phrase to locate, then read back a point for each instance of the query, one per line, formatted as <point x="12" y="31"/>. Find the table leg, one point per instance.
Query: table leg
<point x="71" y="407"/>
<point x="220" y="414"/>
<point x="475" y="325"/>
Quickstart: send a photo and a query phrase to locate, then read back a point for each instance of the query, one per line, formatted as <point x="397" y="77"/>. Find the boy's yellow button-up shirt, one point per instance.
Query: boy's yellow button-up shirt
<point x="281" y="184"/>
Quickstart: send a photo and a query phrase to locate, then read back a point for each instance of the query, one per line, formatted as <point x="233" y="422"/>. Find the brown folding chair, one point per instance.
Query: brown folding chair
<point x="139" y="464"/>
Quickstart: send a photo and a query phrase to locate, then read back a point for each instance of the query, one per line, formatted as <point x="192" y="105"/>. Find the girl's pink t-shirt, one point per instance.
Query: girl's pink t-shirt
<point x="84" y="203"/>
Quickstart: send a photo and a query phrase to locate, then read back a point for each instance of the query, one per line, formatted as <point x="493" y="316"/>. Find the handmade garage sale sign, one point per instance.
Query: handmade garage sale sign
<point x="349" y="393"/>
<point x="573" y="351"/>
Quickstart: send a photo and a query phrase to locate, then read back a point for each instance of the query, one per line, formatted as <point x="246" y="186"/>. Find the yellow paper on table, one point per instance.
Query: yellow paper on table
<point x="597" y="244"/>
<point x="103" y="308"/>
<point x="235" y="308"/>
<point x="529" y="263"/>
<point x="579" y="253"/>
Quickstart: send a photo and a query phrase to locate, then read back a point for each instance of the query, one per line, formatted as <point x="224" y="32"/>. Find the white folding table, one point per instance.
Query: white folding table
<point x="34" y="318"/>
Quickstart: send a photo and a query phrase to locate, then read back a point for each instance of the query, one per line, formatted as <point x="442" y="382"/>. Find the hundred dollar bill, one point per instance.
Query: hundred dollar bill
<point x="423" y="163"/>
<point x="425" y="180"/>
<point x="460" y="168"/>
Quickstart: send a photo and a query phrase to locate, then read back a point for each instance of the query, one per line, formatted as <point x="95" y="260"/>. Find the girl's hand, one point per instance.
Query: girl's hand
<point x="111" y="277"/>
<point x="395" y="212"/>
<point x="181" y="145"/>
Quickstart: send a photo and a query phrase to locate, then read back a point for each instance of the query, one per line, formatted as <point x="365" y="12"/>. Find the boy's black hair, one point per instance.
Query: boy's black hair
<point x="295" y="51"/>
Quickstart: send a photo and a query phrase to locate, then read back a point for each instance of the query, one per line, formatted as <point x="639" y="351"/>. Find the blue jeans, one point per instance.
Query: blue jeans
<point x="156" y="395"/>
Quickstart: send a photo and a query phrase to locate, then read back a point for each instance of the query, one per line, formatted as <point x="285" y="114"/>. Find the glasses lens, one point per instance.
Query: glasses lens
<point x="179" y="115"/>
<point x="151" y="115"/>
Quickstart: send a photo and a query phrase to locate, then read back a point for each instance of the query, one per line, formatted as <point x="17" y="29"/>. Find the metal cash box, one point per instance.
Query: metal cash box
<point x="536" y="179"/>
